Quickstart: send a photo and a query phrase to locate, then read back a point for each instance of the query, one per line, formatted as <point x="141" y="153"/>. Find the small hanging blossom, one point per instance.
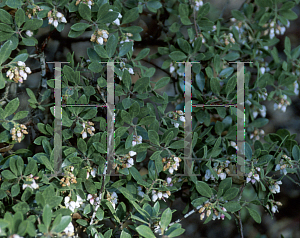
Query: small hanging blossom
<point x="178" y="114"/>
<point x="100" y="36"/>
<point x="284" y="102"/>
<point x="221" y="168"/>
<point x="29" y="33"/>
<point x="72" y="205"/>
<point x="233" y="144"/>
<point x="275" y="188"/>
<point x="274" y="206"/>
<point x="55" y="17"/>
<point x="32" y="12"/>
<point x="32" y="179"/>
<point x="69" y="177"/>
<point x="296" y="88"/>
<point x="209" y="208"/>
<point x="160" y="195"/>
<point x="18" y="73"/>
<point x="262" y="112"/>
<point x="113" y="198"/>
<point x="88" y="127"/>
<point x="93" y="199"/>
<point x="140" y="191"/>
<point x="17" y="132"/>
<point x="263" y="95"/>
<point x="69" y="230"/>
<point x="284" y="163"/>
<point x="117" y="21"/>
<point x="198" y="4"/>
<point x="137" y="140"/>
<point x="171" y="164"/>
<point x="122" y="66"/>
<point x="89" y="3"/>
<point x="257" y="134"/>
<point x="253" y="176"/>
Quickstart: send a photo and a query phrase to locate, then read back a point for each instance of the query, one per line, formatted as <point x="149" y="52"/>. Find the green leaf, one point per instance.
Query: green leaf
<point x="145" y="231"/>
<point x="153" y="6"/>
<point x="11" y="107"/>
<point x="5" y="17"/>
<point x="177" y="56"/>
<point x="264" y="3"/>
<point x="22" y="207"/>
<point x="184" y="14"/>
<point x="225" y="184"/>
<point x="90" y="187"/>
<point x="14" y="3"/>
<point x="142" y="54"/>
<point x="130" y="15"/>
<point x="260" y="122"/>
<point x="15" y="190"/>
<point x="20" y="17"/>
<point x="128" y="142"/>
<point x="30" y="41"/>
<point x="204" y="10"/>
<point x="64" y="222"/>
<point x="254" y="214"/>
<point x="84" y="11"/>
<point x="125" y="234"/>
<point x="147" y="120"/>
<point x="125" y="48"/>
<point x="137" y="176"/>
<point x="5" y="28"/>
<point x="81" y="145"/>
<point x="5" y="51"/>
<point x="101" y="51"/>
<point x="288" y="14"/>
<point x="215" y="85"/>
<point x="176" y="233"/>
<point x="203" y="189"/>
<point x="232" y="206"/>
<point x="184" y="45"/>
<point x="238" y="15"/>
<point x="296" y="152"/>
<point x="166" y="218"/>
<point x="108" y="17"/>
<point x="20" y="115"/>
<point x="162" y="83"/>
<point x="32" y="24"/>
<point x="231" y="84"/>
<point x="153" y="136"/>
<point x="231" y="193"/>
<point x="47" y="215"/>
<point x="79" y="26"/>
<point x="111" y="45"/>
<point x="232" y="56"/>
<point x="141" y="85"/>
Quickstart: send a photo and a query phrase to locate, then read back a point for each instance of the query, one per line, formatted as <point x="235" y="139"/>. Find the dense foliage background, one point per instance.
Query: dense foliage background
<point x="146" y="39"/>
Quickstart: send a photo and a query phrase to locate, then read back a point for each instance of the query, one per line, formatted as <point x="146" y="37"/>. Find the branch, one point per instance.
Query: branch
<point x="224" y="8"/>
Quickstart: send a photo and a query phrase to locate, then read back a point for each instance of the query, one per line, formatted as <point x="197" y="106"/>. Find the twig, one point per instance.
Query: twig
<point x="195" y="24"/>
<point x="6" y="93"/>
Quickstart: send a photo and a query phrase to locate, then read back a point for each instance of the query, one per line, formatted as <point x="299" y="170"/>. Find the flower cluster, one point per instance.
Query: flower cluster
<point x="137" y="140"/>
<point x="274" y="205"/>
<point x="18" y="73"/>
<point x="90" y="3"/>
<point x="56" y="17"/>
<point x="72" y="205"/>
<point x="228" y="38"/>
<point x="93" y="199"/>
<point x="264" y="68"/>
<point x="32" y="179"/>
<point x="30" y="12"/>
<point x="69" y="230"/>
<point x="178" y="114"/>
<point x="99" y="36"/>
<point x="284" y="163"/>
<point x="198" y="4"/>
<point x="242" y="30"/>
<point x="113" y="198"/>
<point x="283" y="103"/>
<point x="125" y="162"/>
<point x="208" y="208"/>
<point x="160" y="195"/>
<point x="278" y="29"/>
<point x="171" y="164"/>
<point x="91" y="171"/>
<point x="117" y="21"/>
<point x="17" y="132"/>
<point x="221" y="169"/>
<point x="69" y="177"/>
<point x="274" y="187"/>
<point x="88" y="127"/>
<point x="257" y="134"/>
<point x="253" y="176"/>
<point x="262" y="112"/>
<point x="122" y="66"/>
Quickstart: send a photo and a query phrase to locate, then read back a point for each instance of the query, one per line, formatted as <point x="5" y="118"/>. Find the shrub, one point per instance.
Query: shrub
<point x="149" y="141"/>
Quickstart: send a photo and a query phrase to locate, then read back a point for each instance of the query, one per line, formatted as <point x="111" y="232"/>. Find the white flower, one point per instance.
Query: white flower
<point x="207" y="175"/>
<point x="63" y="19"/>
<point x="182" y="118"/>
<point x="8" y="73"/>
<point x="262" y="70"/>
<point x="100" y="40"/>
<point x="84" y="135"/>
<point x="263" y="111"/>
<point x="19" y="134"/>
<point x="69" y="230"/>
<point x="222" y="176"/>
<point x="130" y="70"/>
<point x="169" y="180"/>
<point x="154" y="197"/>
<point x="20" y="63"/>
<point x="50" y="20"/>
<point x="140" y="192"/>
<point x="29" y="33"/>
<point x="176" y="125"/>
<point x="27" y="70"/>
<point x="93" y="172"/>
<point x="117" y="21"/>
<point x="283" y="108"/>
<point x="55" y="23"/>
<point x="274" y="209"/>
<point x="159" y="194"/>
<point x="59" y="15"/>
<point x="256" y="176"/>
<point x="130" y="161"/>
<point x="171" y="170"/>
<point x="133" y="143"/>
<point x="132" y="153"/>
<point x="172" y="69"/>
<point x="90" y="3"/>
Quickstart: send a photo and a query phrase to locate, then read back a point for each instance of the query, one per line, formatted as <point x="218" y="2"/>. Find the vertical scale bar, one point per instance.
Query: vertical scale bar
<point x="110" y="118"/>
<point x="188" y="120"/>
<point x="58" y="119"/>
<point x="240" y="119"/>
